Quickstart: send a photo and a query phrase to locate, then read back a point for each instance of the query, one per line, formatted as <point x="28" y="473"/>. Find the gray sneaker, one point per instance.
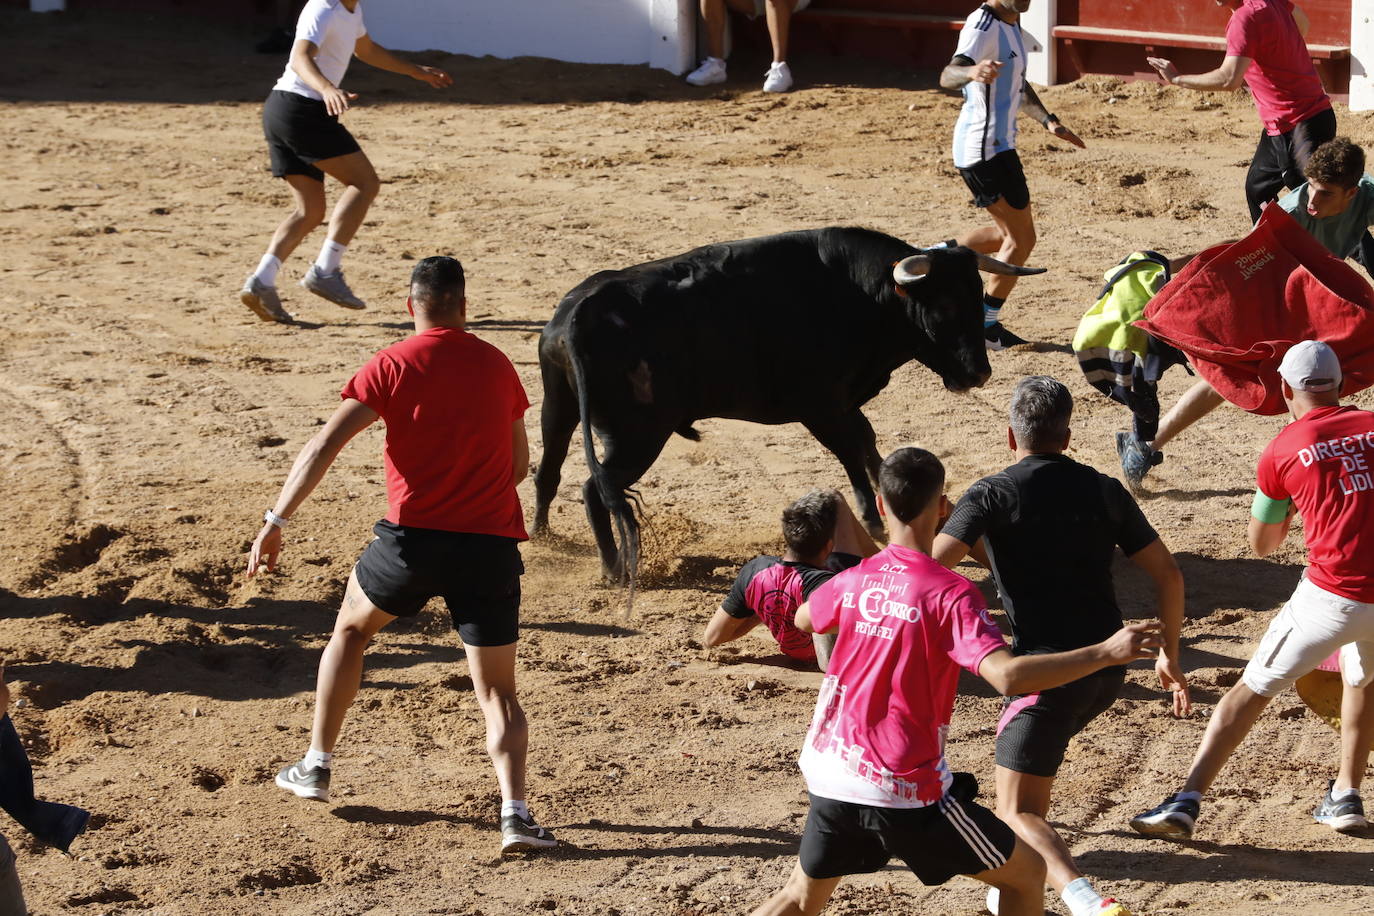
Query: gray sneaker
<point x="1136" y="458"/>
<point x="307" y="783"/>
<point x="264" y="302"/>
<point x="521" y="835"/>
<point x="331" y="287"/>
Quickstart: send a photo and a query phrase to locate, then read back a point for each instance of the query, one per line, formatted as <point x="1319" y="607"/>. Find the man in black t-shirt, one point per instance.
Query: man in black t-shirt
<point x="823" y="537"/>
<point x="1050" y="527"/>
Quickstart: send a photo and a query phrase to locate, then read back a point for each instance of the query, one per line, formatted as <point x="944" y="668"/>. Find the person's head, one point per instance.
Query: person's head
<point x="1017" y="6"/>
<point x="438" y="290"/>
<point x="1333" y="176"/>
<point x="911" y="482"/>
<point x="1041" y="408"/>
<point x="808" y="525"/>
<point x="1311" y="376"/>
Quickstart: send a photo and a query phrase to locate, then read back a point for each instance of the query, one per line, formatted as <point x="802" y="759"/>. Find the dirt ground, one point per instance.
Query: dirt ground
<point x="146" y="419"/>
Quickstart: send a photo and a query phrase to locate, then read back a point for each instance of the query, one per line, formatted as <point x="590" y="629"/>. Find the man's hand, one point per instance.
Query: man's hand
<point x="432" y="75"/>
<point x="1063" y="133"/>
<point x="1133" y="642"/>
<point x="985" y="71"/>
<point x="265" y="549"/>
<point x="1166" y="68"/>
<point x="1171" y="677"/>
<point x="336" y="100"/>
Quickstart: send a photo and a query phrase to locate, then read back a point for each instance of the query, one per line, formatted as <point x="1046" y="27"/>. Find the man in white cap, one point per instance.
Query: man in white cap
<point x="1322" y="466"/>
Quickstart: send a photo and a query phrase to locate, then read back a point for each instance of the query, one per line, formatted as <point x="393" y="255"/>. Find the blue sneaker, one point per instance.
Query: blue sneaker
<point x="1344" y="816"/>
<point x="1136" y="458"/>
<point x="1173" y="819"/>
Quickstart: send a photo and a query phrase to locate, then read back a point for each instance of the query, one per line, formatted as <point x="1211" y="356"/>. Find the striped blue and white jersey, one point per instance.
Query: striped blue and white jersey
<point x="987" y="122"/>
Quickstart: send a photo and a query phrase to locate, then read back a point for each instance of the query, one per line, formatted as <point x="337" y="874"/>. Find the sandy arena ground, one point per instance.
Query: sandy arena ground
<point x="147" y="419"/>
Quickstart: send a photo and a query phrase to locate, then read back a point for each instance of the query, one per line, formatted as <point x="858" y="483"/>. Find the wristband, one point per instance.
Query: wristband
<point x="273" y="518"/>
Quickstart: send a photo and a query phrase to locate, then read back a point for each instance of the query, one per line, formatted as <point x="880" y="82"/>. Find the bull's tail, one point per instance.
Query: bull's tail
<point x="614" y="498"/>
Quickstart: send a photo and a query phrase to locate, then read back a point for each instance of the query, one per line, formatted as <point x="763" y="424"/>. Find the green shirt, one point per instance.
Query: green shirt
<point x="1341" y="233"/>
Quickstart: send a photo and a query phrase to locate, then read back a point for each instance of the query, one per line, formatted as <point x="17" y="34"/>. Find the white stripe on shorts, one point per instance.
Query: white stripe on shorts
<point x="973" y="835"/>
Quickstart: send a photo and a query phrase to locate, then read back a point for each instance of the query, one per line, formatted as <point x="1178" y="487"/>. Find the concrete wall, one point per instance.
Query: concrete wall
<point x="659" y="33"/>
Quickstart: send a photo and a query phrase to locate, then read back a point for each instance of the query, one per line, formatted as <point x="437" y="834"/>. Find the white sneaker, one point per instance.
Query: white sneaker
<point x="779" y="78"/>
<point x="994" y="898"/>
<point x="711" y="71"/>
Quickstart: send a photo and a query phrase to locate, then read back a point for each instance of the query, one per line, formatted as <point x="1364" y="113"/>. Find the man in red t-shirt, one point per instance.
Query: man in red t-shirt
<point x="874" y="756"/>
<point x="1322" y="466"/>
<point x="455" y="449"/>
<point x="1266" y="50"/>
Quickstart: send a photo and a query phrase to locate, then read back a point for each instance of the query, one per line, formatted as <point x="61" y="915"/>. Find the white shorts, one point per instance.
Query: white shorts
<point x="1313" y="624"/>
<point x="796" y="8"/>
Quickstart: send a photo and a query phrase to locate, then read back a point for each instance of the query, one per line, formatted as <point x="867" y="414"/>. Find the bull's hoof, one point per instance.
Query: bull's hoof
<point x="539" y="531"/>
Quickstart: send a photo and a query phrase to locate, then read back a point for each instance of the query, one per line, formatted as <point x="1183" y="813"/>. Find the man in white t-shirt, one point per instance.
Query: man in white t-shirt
<point x="874" y="756"/>
<point x="989" y="65"/>
<point x="306" y="142"/>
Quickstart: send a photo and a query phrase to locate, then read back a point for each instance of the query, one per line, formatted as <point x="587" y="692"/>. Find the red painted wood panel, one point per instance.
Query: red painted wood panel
<point x="1330" y="18"/>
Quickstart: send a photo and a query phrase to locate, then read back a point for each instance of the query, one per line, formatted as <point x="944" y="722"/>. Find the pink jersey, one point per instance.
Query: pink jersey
<point x="905" y="627"/>
<point x="1281" y="76"/>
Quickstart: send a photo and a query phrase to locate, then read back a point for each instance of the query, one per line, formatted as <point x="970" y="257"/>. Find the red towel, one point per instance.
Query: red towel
<point x="1236" y="309"/>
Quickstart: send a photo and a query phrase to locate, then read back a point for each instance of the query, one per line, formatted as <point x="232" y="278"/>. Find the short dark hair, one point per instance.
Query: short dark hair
<point x="809" y="522"/>
<point x="438" y="283"/>
<point x="909" y="479"/>
<point x="1338" y="162"/>
<point x="1040" y="411"/>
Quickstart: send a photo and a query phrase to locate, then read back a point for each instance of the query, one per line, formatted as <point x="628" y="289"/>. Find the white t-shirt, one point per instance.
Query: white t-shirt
<point x="334" y="31"/>
<point x="987" y="122"/>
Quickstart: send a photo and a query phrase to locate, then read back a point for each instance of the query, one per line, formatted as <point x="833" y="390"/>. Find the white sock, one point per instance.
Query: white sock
<point x="1343" y="794"/>
<point x="331" y="256"/>
<point x="267" y="269"/>
<point x="1080" y="897"/>
<point x="315" y="759"/>
<point x="516" y="807"/>
<point x="1188" y="796"/>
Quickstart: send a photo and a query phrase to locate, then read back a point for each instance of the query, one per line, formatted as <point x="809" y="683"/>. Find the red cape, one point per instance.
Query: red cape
<point x="1236" y="309"/>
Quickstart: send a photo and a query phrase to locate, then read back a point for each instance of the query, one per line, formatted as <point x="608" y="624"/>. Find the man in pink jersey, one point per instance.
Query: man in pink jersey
<point x="874" y="755"/>
<point x="823" y="537"/>
<point x="455" y="449"/>
<point x="1266" y="51"/>
<point x="1322" y="466"/>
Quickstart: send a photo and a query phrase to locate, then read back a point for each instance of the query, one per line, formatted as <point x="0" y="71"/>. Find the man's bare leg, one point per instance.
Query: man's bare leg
<point x="309" y="213"/>
<point x="800" y="896"/>
<point x="984" y="240"/>
<point x="779" y="15"/>
<point x="1196" y="403"/>
<point x="1020" y="883"/>
<point x="1017" y="228"/>
<point x="341" y="665"/>
<point x="1023" y="802"/>
<point x="1357" y="734"/>
<point x="493" y="684"/>
<point x="361" y="186"/>
<point x="1231" y="721"/>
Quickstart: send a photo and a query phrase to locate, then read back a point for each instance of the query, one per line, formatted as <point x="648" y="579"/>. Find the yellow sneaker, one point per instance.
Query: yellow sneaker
<point x="1111" y="908"/>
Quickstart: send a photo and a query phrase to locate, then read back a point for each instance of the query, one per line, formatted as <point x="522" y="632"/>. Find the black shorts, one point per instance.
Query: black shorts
<point x="477" y="575"/>
<point x="1000" y="177"/>
<point x="936" y="842"/>
<point x="1035" y="729"/>
<point x="1279" y="160"/>
<point x="300" y="132"/>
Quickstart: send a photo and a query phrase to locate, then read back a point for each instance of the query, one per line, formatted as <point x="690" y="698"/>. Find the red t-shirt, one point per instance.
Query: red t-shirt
<point x="906" y="626"/>
<point x="1325" y="464"/>
<point x="448" y="400"/>
<point x="1281" y="76"/>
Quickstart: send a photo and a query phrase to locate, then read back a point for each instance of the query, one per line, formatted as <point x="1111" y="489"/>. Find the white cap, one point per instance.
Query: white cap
<point x="1311" y="365"/>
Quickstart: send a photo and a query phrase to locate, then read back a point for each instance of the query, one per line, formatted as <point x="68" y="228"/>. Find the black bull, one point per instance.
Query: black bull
<point x="803" y="327"/>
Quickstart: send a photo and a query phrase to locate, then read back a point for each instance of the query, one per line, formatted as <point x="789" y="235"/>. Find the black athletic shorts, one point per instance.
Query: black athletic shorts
<point x="477" y="575"/>
<point x="998" y="177"/>
<point x="1279" y="160"/>
<point x="936" y="842"/>
<point x="301" y="132"/>
<point x="1036" y="729"/>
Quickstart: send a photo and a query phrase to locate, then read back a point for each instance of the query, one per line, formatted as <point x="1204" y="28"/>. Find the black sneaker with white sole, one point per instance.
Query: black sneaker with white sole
<point x="311" y="783"/>
<point x="997" y="337"/>
<point x="1344" y="816"/>
<point x="1172" y="819"/>
<point x="519" y="834"/>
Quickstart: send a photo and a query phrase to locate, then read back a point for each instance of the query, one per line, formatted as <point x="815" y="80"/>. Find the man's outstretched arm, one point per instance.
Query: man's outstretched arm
<point x="1159" y="564"/>
<point x="723" y="628"/>
<point x="1017" y="675"/>
<point x="351" y="418"/>
<point x="1229" y="77"/>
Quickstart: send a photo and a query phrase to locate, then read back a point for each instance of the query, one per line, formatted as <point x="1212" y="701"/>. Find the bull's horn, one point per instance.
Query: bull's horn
<point x="911" y="269"/>
<point x="989" y="264"/>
